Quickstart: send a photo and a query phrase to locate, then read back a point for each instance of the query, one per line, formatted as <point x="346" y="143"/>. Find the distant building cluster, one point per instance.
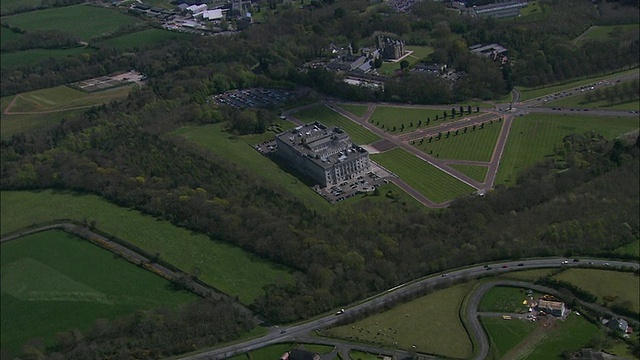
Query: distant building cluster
<point x="494" y="52"/>
<point x="499" y="10"/>
<point x="326" y="155"/>
<point x="390" y="49"/>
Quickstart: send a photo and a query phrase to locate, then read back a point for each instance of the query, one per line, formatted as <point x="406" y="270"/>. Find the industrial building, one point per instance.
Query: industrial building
<point x="326" y="155"/>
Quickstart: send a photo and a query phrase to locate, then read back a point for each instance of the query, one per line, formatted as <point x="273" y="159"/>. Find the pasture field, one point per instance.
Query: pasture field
<point x="223" y="144"/>
<point x="53" y="281"/>
<point x="504" y="299"/>
<point x="475" y="144"/>
<point x="388" y="117"/>
<point x="431" y="323"/>
<point x="579" y="101"/>
<point x="533" y="8"/>
<point x="357" y="110"/>
<point x="571" y="335"/>
<point x="358" y="133"/>
<point x="622" y="287"/>
<point x="478" y="173"/>
<point x="534" y="92"/>
<point x="15" y="124"/>
<point x="527" y="275"/>
<point x="143" y="39"/>
<point x="533" y="137"/>
<point x="606" y="32"/>
<point x="504" y="335"/>
<point x="226" y="267"/>
<point x="436" y="185"/>
<point x="14" y="60"/>
<point x="82" y="21"/>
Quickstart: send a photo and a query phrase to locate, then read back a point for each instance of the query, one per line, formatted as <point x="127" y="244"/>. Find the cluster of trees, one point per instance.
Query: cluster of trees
<point x="626" y="91"/>
<point x="40" y="39"/>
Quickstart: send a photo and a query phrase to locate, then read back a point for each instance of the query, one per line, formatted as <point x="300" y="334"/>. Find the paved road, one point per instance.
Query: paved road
<point x="300" y="331"/>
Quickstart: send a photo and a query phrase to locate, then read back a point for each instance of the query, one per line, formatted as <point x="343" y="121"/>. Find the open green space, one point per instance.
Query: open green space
<point x="475" y="144"/>
<point x="607" y="32"/>
<point x="430" y="181"/>
<point x="619" y="288"/>
<point x="143" y="39"/>
<point x="504" y="299"/>
<point x="533" y="137"/>
<point x="504" y="335"/>
<point x="358" y="133"/>
<point x="15" y="124"/>
<point x="389" y="118"/>
<point x="569" y="335"/>
<point x="632" y="248"/>
<point x="83" y="21"/>
<point x="532" y="8"/>
<point x="477" y="173"/>
<point x="226" y="267"/>
<point x="276" y="127"/>
<point x="431" y="323"/>
<point x="530" y="93"/>
<point x="7" y="35"/>
<point x="386" y="193"/>
<point x="14" y="60"/>
<point x="53" y="281"/>
<point x="579" y="101"/>
<point x="357" y="110"/>
<point x="214" y="138"/>
<point x="419" y="53"/>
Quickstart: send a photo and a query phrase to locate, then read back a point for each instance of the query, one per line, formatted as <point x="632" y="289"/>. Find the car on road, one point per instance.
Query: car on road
<point x="605" y="264"/>
<point x="565" y="262"/>
<point x="521" y="264"/>
<point x="505" y="266"/>
<point x="341" y="311"/>
<point x="443" y="275"/>
<point x="576" y="260"/>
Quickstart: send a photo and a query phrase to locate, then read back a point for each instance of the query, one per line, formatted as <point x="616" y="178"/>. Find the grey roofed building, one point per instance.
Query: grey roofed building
<point x="326" y="155"/>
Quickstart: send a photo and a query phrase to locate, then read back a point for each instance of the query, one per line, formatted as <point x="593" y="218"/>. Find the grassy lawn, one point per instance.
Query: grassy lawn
<point x="579" y="101"/>
<point x="632" y="248"/>
<point x="226" y="267"/>
<point x="504" y="299"/>
<point x="533" y="8"/>
<point x="431" y="323"/>
<point x="358" y="133"/>
<point x="143" y="39"/>
<point x="475" y="144"/>
<point x="419" y="53"/>
<point x="505" y="334"/>
<point x="13" y="60"/>
<point x="478" y="173"/>
<point x="622" y="287"/>
<point x="607" y="32"/>
<point x="274" y="128"/>
<point x="240" y="152"/>
<point x="530" y="93"/>
<point x="388" y="117"/>
<point x="569" y="335"/>
<point x="527" y="275"/>
<point x="533" y="137"/>
<point x="53" y="281"/>
<point x="7" y="35"/>
<point x="82" y="21"/>
<point x="14" y="124"/>
<point x="357" y="110"/>
<point x="422" y="176"/>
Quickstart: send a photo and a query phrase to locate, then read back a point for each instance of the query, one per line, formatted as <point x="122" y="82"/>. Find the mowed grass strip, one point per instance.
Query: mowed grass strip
<point x="579" y="101"/>
<point x="622" y="287"/>
<point x="504" y="335"/>
<point x="566" y="336"/>
<point x="533" y="137"/>
<point x="478" y="173"/>
<point x="14" y="124"/>
<point x="475" y="144"/>
<point x="214" y="138"/>
<point x="143" y="39"/>
<point x="504" y="299"/>
<point x="53" y="281"/>
<point x="226" y="267"/>
<point x="14" y="60"/>
<point x="357" y="110"/>
<point x="83" y="21"/>
<point x="63" y="97"/>
<point x="534" y="92"/>
<point x="431" y="323"/>
<point x="390" y="117"/>
<point x="359" y="134"/>
<point x="430" y="181"/>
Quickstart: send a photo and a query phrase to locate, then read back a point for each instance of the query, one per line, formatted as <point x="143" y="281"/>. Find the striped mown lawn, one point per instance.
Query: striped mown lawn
<point x="357" y="110"/>
<point x="359" y="134"/>
<point x="478" y="173"/>
<point x="433" y="183"/>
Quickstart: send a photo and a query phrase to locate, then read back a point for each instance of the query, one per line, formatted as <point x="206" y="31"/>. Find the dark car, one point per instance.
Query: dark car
<point x="576" y="260"/>
<point x="521" y="264"/>
<point x="505" y="266"/>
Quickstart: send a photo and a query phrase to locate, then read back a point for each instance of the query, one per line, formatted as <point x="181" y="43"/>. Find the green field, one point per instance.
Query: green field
<point x="478" y="173"/>
<point x="221" y="265"/>
<point x="276" y="127"/>
<point x="622" y="287"/>
<point x="419" y="53"/>
<point x="579" y="101"/>
<point x="606" y="32"/>
<point x="238" y="151"/>
<point x="504" y="335"/>
<point x="53" y="281"/>
<point x="533" y="8"/>
<point x="475" y="144"/>
<point x="632" y="248"/>
<point x="436" y="185"/>
<point x="82" y="21"/>
<point x="571" y="335"/>
<point x="533" y="137"/>
<point x="530" y="93"/>
<point x="431" y="323"/>
<point x="14" y="60"/>
<point x="388" y="117"/>
<point x="143" y="39"/>
<point x="504" y="299"/>
<point x="357" y="110"/>
<point x="7" y="36"/>
<point x="358" y="133"/>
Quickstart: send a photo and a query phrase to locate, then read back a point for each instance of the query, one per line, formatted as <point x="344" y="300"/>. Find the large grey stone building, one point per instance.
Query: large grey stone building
<point x="326" y="155"/>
